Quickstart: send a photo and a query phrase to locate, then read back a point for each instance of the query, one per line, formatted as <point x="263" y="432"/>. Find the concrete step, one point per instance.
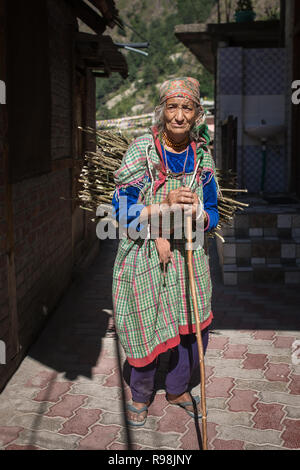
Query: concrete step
<point x="261" y="274"/>
<point x="262" y="245"/>
<point x="242" y="230"/>
<point x="265" y="220"/>
<point x="259" y="250"/>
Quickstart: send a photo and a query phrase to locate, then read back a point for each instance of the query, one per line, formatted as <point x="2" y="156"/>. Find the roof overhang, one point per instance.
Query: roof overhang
<point x="99" y="53"/>
<point x="89" y="12"/>
<point x="204" y="39"/>
<point x="108" y="11"/>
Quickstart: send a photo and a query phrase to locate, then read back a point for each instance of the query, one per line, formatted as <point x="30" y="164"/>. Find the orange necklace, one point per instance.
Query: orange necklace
<point x="178" y="147"/>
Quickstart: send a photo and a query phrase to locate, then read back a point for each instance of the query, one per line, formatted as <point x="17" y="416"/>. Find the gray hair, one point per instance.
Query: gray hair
<point x="159" y="120"/>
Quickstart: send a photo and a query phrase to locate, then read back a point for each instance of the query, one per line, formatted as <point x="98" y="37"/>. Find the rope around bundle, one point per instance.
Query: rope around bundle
<point x="97" y="178"/>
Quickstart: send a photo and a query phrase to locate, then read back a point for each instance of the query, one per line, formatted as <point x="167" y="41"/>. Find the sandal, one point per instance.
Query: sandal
<point x="138" y="411"/>
<point x="185" y="404"/>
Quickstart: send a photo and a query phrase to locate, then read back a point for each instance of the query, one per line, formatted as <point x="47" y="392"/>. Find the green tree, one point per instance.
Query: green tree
<point x="147" y="72"/>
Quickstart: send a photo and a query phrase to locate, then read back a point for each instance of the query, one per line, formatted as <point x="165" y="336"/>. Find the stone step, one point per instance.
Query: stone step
<point x="246" y="231"/>
<point x="259" y="250"/>
<point x="262" y="245"/>
<point x="261" y="274"/>
<point x="258" y="222"/>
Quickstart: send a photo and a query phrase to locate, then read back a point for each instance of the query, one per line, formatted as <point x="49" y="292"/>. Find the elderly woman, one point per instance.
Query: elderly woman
<point x="151" y="296"/>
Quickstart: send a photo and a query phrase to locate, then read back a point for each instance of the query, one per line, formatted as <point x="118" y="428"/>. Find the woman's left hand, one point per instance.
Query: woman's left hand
<point x="165" y="254"/>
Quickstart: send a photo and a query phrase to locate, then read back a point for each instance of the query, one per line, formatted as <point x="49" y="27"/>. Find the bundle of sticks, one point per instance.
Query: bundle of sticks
<point x="227" y="200"/>
<point x="97" y="180"/>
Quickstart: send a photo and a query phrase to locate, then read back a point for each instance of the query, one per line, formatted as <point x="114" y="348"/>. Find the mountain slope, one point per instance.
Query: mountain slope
<point x="154" y="21"/>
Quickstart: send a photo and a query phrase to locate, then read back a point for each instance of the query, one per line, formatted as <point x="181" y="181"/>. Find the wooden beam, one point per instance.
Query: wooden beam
<point x="107" y="9"/>
<point x="296" y="29"/>
<point x="88" y="16"/>
<point x="101" y="75"/>
<point x="99" y="52"/>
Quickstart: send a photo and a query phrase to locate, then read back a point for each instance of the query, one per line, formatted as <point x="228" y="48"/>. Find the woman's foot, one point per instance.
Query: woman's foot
<point x="186" y="401"/>
<point x="137" y="413"/>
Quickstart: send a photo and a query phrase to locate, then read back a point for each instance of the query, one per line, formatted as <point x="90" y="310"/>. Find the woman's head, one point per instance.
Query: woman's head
<point x="179" y="111"/>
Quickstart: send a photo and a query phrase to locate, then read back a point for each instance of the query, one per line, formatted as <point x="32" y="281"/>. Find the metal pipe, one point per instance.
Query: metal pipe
<point x="136" y="45"/>
<point x="264" y="163"/>
<point x="136" y="50"/>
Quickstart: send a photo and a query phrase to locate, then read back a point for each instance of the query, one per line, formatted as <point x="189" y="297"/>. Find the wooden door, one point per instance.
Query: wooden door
<point x="78" y="216"/>
<point x="229" y="143"/>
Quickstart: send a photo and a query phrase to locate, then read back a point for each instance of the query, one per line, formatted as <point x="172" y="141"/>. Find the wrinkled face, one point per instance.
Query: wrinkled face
<point x="180" y="116"/>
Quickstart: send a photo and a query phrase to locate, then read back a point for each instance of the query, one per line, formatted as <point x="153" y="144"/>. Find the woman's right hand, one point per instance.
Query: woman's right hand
<point x="182" y="195"/>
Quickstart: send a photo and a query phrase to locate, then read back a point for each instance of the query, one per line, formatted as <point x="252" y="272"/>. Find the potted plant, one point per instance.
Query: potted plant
<point x="244" y="11"/>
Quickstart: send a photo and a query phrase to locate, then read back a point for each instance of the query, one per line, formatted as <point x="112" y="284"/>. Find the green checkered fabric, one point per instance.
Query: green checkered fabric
<point x="151" y="310"/>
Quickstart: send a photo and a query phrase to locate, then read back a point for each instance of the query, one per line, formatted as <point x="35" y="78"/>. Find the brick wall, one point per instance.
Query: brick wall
<point x="4" y="309"/>
<point x="43" y="215"/>
<point x="62" y="24"/>
<point x="4" y="312"/>
<point x="42" y="219"/>
<point x="43" y="250"/>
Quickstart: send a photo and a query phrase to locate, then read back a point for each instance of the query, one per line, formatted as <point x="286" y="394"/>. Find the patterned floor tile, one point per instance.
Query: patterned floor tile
<point x="66" y="407"/>
<point x="99" y="438"/>
<point x="235" y="351"/>
<point x="255" y="361"/>
<point x="54" y="391"/>
<point x="219" y="387"/>
<point x="219" y="444"/>
<point x="294" y="385"/>
<point x="242" y="400"/>
<point x="277" y="372"/>
<point x="8" y="434"/>
<point x="269" y="416"/>
<point x="291" y="435"/>
<point x="80" y="422"/>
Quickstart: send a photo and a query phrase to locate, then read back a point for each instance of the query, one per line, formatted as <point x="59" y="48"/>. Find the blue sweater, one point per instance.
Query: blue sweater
<point x="175" y="164"/>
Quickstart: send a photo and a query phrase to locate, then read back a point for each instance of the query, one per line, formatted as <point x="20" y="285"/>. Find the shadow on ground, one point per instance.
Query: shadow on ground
<point x="71" y="341"/>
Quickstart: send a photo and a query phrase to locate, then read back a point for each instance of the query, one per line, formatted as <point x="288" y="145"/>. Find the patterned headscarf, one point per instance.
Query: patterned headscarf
<point x="183" y="87"/>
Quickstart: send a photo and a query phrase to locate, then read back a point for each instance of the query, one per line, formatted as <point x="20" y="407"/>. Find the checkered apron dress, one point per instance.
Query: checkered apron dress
<point x="151" y="310"/>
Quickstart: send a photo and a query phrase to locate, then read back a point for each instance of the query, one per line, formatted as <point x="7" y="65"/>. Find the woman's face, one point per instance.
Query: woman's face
<point x="180" y="116"/>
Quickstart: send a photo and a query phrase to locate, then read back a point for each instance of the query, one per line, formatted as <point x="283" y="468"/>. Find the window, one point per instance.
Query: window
<point x="28" y="89"/>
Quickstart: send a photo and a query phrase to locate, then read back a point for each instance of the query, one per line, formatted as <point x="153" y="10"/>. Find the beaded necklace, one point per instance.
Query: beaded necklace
<point x="180" y="175"/>
<point x="174" y="145"/>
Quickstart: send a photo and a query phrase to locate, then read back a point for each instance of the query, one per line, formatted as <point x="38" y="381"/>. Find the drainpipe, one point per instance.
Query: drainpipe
<point x="264" y="162"/>
<point x="242" y="154"/>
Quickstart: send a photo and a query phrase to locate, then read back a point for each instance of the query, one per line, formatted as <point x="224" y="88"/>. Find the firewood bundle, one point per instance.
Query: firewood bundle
<point x="97" y="178"/>
<point x="97" y="175"/>
<point x="227" y="202"/>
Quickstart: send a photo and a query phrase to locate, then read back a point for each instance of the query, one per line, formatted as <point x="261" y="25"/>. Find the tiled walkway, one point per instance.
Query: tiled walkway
<point x="67" y="393"/>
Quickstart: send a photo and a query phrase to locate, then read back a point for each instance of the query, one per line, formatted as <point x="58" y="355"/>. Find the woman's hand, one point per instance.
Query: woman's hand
<point x="164" y="251"/>
<point x="184" y="197"/>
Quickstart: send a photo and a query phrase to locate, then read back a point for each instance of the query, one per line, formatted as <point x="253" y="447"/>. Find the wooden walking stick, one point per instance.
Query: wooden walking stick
<point x="198" y="330"/>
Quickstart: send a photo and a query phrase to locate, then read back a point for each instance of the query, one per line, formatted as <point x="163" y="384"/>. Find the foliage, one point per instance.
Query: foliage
<point x="272" y="12"/>
<point x="193" y="11"/>
<point x="166" y="54"/>
<point x="244" y="5"/>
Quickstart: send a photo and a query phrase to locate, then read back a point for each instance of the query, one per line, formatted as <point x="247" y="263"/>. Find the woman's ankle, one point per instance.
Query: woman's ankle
<point x="140" y="404"/>
<point x="174" y="396"/>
